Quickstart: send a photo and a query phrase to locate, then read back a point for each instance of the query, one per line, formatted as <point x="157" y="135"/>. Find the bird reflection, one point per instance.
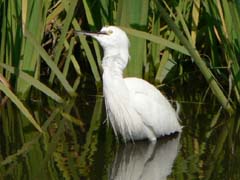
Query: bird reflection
<point x="144" y="160"/>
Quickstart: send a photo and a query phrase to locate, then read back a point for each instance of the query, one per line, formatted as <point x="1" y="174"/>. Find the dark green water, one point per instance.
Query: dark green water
<point x="79" y="145"/>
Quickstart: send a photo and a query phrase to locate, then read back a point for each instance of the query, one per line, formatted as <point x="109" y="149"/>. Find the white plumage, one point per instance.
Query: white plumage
<point x="135" y="108"/>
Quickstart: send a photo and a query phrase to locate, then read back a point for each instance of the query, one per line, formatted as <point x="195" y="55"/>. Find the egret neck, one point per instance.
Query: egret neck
<point x="115" y="59"/>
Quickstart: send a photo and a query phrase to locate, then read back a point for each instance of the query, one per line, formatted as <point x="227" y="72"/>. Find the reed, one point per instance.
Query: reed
<point x="24" y="28"/>
<point x="181" y="27"/>
<point x="199" y="62"/>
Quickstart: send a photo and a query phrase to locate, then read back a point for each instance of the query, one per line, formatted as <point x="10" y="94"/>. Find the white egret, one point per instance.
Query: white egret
<point x="135" y="108"/>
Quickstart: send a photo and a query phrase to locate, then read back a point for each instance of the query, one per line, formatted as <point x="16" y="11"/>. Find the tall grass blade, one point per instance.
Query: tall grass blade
<point x="24" y="13"/>
<point x="20" y="105"/>
<point x="134" y="14"/>
<point x="34" y="82"/>
<point x="165" y="66"/>
<point x="195" y="19"/>
<point x="72" y="57"/>
<point x="166" y="63"/>
<point x="93" y="24"/>
<point x="156" y="39"/>
<point x="59" y="7"/>
<point x="226" y="22"/>
<point x="33" y="18"/>
<point x="50" y="63"/>
<point x="67" y="22"/>
<point x="88" y="52"/>
<point x="199" y="62"/>
<point x="68" y="59"/>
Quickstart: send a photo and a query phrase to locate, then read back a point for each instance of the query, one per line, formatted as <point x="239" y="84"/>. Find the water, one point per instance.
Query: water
<point x="78" y="144"/>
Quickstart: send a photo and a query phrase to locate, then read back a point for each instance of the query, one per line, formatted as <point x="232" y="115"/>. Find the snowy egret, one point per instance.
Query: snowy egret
<point x="135" y="108"/>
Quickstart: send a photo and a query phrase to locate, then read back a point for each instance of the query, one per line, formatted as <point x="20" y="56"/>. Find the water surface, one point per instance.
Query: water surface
<point x="79" y="144"/>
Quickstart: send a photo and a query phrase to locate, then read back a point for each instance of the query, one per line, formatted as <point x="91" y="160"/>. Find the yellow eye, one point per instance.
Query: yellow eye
<point x="110" y="31"/>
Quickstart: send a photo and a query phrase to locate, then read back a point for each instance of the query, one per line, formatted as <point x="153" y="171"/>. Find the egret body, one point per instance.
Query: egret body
<point x="135" y="108"/>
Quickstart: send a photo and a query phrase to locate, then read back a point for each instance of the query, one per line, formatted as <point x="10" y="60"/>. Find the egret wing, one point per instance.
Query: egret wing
<point x="155" y="110"/>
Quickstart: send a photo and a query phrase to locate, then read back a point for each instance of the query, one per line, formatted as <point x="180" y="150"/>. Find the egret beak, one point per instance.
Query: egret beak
<point x="93" y="34"/>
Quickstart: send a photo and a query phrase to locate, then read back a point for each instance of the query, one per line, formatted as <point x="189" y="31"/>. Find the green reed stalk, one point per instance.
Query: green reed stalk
<point x="134" y="14"/>
<point x="199" y="62"/>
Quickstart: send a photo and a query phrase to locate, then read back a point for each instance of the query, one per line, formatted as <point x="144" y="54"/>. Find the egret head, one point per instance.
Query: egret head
<point x="114" y="42"/>
<point x="110" y="37"/>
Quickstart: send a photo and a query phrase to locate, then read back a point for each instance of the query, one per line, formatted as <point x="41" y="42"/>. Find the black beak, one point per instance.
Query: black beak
<point x="90" y="33"/>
